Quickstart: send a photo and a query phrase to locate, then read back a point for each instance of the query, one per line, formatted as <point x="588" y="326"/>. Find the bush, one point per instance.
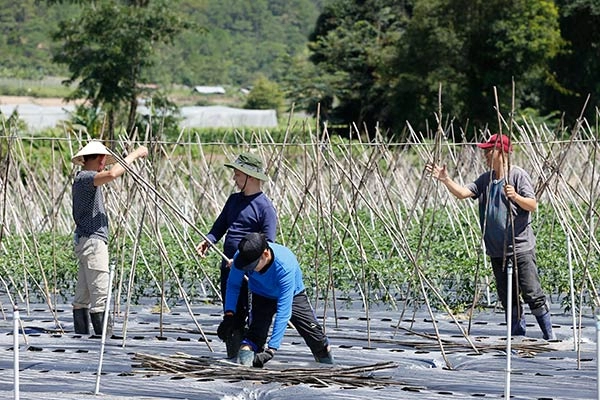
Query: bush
<point x="265" y="95"/>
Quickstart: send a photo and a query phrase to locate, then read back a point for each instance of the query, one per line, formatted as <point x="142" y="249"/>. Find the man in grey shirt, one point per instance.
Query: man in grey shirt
<point x="497" y="195"/>
<point x="91" y="232"/>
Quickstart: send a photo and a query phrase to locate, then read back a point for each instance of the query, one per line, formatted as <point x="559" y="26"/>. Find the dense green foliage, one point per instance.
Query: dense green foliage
<point x="577" y="68"/>
<point x="265" y="95"/>
<point x="375" y="63"/>
<point x="353" y="45"/>
<point x="385" y="275"/>
<point x="110" y="47"/>
<point x="393" y="57"/>
<point x="236" y="40"/>
<point x="470" y="47"/>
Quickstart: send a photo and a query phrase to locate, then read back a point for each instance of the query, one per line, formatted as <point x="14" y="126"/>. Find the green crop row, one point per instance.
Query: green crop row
<point x="374" y="267"/>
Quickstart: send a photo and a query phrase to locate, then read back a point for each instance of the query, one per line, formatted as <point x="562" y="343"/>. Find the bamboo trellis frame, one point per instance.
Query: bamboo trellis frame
<point x="317" y="176"/>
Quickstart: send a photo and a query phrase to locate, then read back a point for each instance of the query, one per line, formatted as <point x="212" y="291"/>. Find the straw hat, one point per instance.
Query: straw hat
<point x="93" y="147"/>
<point x="249" y="164"/>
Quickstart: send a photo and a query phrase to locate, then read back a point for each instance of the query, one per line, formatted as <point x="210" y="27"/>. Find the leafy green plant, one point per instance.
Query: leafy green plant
<point x="265" y="95"/>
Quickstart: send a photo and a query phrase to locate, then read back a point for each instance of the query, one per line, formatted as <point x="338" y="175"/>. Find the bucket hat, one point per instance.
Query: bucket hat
<point x="250" y="165"/>
<point x="93" y="147"/>
<point x="250" y="249"/>
<point x="497" y="141"/>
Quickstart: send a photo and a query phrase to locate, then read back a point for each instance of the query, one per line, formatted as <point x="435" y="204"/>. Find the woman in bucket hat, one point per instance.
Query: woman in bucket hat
<point x="91" y="232"/>
<point x="248" y="210"/>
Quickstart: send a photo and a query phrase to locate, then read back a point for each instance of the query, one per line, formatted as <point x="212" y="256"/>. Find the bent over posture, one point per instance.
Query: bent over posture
<point x="91" y="232"/>
<point x="499" y="194"/>
<point x="275" y="280"/>
<point x="249" y="210"/>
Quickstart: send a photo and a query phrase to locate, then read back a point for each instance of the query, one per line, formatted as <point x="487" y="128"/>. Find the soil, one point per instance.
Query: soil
<point x="41" y="101"/>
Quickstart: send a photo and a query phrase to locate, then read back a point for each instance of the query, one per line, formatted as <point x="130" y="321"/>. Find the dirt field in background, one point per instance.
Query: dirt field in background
<point x="41" y="101"/>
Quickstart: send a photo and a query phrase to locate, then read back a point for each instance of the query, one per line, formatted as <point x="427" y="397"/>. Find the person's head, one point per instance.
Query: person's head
<point x="94" y="155"/>
<point x="253" y="252"/>
<point x="495" y="149"/>
<point x="248" y="171"/>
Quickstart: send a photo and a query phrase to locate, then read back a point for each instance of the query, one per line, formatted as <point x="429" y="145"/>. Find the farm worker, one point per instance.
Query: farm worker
<point x="91" y="232"/>
<point x="275" y="280"/>
<point x="497" y="194"/>
<point x="248" y="210"/>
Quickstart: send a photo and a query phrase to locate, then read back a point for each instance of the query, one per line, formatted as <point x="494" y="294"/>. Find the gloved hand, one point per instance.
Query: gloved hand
<point x="225" y="327"/>
<point x="260" y="359"/>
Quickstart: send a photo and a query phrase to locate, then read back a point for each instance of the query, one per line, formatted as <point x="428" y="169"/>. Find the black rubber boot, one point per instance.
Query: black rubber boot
<point x="97" y="320"/>
<point x="233" y="343"/>
<point x="324" y="356"/>
<point x="81" y="321"/>
<point x="545" y="325"/>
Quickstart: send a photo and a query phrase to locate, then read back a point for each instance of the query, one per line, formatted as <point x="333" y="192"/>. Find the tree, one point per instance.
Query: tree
<point x="265" y="95"/>
<point x="352" y="45"/>
<point x="110" y="46"/>
<point x="470" y="47"/>
<point x="576" y="69"/>
<point x="392" y="57"/>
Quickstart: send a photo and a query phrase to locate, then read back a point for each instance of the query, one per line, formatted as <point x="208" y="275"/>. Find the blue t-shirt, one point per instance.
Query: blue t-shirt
<point x="281" y="282"/>
<point x="89" y="213"/>
<point x="242" y="215"/>
<point x="493" y="217"/>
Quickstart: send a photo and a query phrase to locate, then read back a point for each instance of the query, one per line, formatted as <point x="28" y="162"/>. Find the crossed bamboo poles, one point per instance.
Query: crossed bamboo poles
<point x="348" y="178"/>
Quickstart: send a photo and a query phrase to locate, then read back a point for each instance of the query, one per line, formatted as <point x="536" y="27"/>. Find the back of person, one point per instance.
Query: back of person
<point x="285" y="268"/>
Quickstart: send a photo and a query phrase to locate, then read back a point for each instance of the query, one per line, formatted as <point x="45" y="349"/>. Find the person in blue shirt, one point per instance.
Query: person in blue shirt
<point x="499" y="192"/>
<point x="248" y="210"/>
<point x="275" y="280"/>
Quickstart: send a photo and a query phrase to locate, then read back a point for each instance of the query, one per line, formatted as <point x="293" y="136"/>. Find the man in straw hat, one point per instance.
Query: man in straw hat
<point x="497" y="195"/>
<point x="275" y="279"/>
<point x="249" y="210"/>
<point x="91" y="232"/>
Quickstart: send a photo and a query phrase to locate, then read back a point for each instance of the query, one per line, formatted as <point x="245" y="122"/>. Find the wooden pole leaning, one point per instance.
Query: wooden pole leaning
<point x="138" y="178"/>
<point x="173" y="208"/>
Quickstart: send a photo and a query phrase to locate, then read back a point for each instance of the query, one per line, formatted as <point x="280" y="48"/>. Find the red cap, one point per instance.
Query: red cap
<point x="497" y="141"/>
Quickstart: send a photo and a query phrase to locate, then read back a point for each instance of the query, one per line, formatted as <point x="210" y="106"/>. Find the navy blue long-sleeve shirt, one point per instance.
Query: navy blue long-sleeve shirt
<point x="242" y="215"/>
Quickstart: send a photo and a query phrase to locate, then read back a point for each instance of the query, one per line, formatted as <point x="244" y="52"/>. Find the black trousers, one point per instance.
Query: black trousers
<point x="529" y="286"/>
<point x="241" y="311"/>
<point x="303" y="318"/>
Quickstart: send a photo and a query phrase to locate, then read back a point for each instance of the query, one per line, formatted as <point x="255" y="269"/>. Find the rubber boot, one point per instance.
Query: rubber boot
<point x="233" y="343"/>
<point x="324" y="356"/>
<point x="97" y="322"/>
<point x="81" y="321"/>
<point x="518" y="325"/>
<point x="246" y="357"/>
<point x="546" y="325"/>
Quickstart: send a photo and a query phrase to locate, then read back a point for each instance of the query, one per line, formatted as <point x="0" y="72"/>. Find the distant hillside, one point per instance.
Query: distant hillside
<point x="243" y="39"/>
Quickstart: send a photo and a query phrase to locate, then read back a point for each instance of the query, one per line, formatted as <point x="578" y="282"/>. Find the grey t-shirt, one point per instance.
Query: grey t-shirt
<point x="493" y="213"/>
<point x="88" y="207"/>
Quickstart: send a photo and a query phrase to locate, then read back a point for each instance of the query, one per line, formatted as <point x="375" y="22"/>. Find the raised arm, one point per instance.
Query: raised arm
<point x="117" y="170"/>
<point x="440" y="173"/>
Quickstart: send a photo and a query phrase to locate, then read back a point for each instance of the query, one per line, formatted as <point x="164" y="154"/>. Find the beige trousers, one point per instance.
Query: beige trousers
<point x="92" y="279"/>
